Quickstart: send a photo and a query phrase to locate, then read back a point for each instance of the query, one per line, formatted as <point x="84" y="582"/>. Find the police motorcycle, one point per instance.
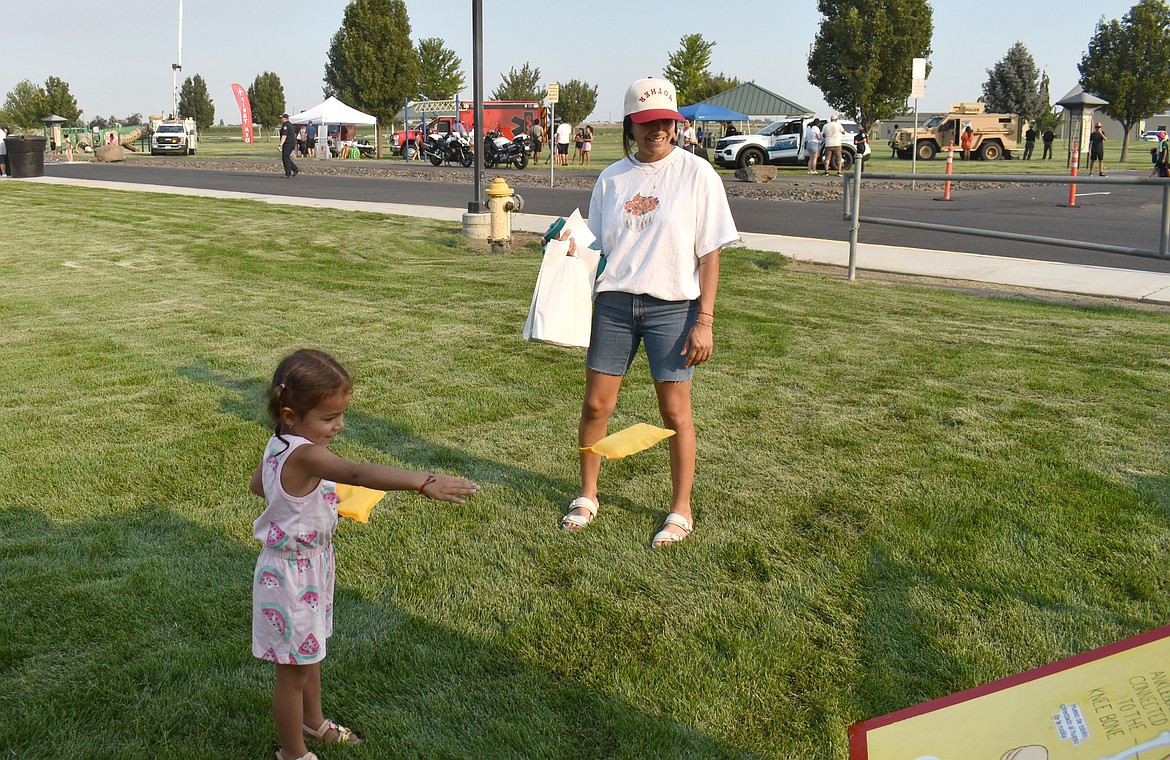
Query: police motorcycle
<point x="447" y="147"/>
<point x="500" y="151"/>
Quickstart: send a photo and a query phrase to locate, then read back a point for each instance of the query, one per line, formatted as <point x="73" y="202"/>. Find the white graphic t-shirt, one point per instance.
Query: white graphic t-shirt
<point x="655" y="221"/>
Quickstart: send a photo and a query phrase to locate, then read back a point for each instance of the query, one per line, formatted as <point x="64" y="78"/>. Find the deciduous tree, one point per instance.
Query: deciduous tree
<point x="577" y="101"/>
<point x="25" y="105"/>
<point x="688" y="68"/>
<point x="59" y="101"/>
<point x="266" y="96"/>
<point x="1127" y="63"/>
<point x="712" y="86"/>
<point x="520" y="85"/>
<point x="195" y="102"/>
<point x="440" y="70"/>
<point x="862" y="57"/>
<point x="372" y="64"/>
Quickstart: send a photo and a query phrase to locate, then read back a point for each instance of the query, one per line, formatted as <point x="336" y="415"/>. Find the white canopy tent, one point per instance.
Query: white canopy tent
<point x="333" y="111"/>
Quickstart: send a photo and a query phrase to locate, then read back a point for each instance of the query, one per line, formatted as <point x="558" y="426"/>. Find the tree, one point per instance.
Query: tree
<point x="266" y="95"/>
<point x="439" y="76"/>
<point x="862" y="57"/>
<point x="1126" y="64"/>
<point x="58" y="100"/>
<point x="687" y="68"/>
<point x="195" y="102"/>
<point x="520" y="85"/>
<point x="25" y="105"/>
<point x="714" y="85"/>
<point x="1047" y="118"/>
<point x="133" y="120"/>
<point x="577" y="101"/>
<point x="372" y="64"/>
<point x="1012" y="86"/>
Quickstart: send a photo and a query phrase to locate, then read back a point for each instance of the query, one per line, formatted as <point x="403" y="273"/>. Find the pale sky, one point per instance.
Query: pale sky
<point x="117" y="58"/>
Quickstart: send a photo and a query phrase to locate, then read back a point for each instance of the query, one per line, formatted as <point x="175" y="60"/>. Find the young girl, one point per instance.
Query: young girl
<point x="292" y="589"/>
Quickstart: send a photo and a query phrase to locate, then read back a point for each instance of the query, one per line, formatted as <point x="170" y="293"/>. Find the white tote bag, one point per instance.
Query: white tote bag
<point x="562" y="303"/>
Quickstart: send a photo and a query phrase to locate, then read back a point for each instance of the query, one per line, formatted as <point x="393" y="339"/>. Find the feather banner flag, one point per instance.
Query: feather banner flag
<point x="245" y="112"/>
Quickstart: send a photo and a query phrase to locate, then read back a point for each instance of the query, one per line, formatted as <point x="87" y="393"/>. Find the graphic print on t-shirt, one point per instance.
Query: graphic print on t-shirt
<point x="638" y="212"/>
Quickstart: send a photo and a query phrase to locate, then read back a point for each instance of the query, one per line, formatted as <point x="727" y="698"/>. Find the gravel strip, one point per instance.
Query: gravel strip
<point x="800" y="188"/>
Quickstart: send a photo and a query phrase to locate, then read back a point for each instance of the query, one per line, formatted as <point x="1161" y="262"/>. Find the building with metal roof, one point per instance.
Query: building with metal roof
<point x="758" y="103"/>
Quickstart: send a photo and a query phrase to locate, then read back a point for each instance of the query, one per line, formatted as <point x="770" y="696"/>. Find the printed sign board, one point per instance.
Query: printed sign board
<point x="1112" y="703"/>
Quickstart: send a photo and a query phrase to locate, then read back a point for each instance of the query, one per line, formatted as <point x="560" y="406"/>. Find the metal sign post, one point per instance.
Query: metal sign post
<point x="554" y="94"/>
<point x="917" y="89"/>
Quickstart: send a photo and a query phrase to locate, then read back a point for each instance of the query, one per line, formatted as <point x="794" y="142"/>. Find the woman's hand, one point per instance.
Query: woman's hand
<point x="700" y="344"/>
<point x="572" y="243"/>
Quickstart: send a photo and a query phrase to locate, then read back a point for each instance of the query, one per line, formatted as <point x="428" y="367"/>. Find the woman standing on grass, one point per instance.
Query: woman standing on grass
<point x="661" y="218"/>
<point x="292" y="587"/>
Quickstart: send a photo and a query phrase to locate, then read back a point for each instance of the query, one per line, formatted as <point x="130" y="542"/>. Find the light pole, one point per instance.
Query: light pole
<point x="477" y="206"/>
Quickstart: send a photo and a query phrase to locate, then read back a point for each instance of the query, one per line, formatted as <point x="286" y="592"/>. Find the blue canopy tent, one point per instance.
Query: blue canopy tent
<point x="708" y="112"/>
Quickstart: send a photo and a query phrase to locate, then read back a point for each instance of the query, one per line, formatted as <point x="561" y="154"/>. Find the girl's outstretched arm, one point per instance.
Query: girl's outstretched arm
<point x="312" y="461"/>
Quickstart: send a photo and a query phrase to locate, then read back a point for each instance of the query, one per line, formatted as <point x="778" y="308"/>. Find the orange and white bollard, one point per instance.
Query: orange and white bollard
<point x="1072" y="189"/>
<point x="950" y="165"/>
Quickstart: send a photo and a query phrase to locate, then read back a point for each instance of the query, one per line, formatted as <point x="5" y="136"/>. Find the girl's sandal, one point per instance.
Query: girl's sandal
<point x="344" y="735"/>
<point x="306" y="756"/>
<point x="576" y="522"/>
<point x="666" y="537"/>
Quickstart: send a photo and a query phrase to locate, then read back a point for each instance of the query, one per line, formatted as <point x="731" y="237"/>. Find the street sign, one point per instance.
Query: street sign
<point x="554" y="92"/>
<point x="918" y="74"/>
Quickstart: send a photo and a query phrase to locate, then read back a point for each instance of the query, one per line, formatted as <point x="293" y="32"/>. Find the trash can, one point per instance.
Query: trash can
<point x="26" y="155"/>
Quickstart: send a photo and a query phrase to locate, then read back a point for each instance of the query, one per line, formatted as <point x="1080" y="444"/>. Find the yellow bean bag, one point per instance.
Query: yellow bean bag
<point x="355" y="502"/>
<point x="629" y="441"/>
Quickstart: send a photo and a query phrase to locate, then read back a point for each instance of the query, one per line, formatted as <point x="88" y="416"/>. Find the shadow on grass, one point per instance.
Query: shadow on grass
<point x="395" y="440"/>
<point x="129" y="637"/>
<point x="904" y="663"/>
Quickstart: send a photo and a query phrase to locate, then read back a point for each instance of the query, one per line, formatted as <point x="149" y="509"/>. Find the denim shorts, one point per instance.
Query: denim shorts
<point x="622" y="320"/>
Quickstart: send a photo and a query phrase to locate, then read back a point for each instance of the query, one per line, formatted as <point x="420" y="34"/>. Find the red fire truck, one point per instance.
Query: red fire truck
<point x="510" y="117"/>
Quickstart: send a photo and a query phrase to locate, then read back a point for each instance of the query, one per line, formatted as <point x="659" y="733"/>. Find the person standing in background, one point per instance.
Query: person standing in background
<point x="288" y="141"/>
<point x="1097" y="149"/>
<point x="812" y="144"/>
<point x="966" y="140"/>
<point x="3" y="153"/>
<point x="537" y="135"/>
<point x="1048" y="136"/>
<point x="1029" y="143"/>
<point x="564" y="137"/>
<point x="832" y="133"/>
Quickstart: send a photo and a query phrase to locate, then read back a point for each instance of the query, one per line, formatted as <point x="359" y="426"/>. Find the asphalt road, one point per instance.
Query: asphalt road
<point x="1112" y="214"/>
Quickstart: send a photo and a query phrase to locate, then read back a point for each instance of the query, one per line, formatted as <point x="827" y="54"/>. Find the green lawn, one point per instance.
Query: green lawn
<point x="902" y="492"/>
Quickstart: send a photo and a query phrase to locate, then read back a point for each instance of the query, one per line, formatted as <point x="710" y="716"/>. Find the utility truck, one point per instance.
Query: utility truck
<point x="174" y="136"/>
<point x="994" y="134"/>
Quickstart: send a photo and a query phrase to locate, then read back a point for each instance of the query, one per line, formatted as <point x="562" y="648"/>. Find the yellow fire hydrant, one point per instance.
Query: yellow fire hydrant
<point x="502" y="201"/>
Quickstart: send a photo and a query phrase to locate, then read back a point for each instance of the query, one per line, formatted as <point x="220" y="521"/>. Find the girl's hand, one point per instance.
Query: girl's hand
<point x="700" y="344"/>
<point x="447" y="488"/>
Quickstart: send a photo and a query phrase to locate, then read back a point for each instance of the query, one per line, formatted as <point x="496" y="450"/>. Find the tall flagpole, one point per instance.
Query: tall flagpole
<point x="176" y="68"/>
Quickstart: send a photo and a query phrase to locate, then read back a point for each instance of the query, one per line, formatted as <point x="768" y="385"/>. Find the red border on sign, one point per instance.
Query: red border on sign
<point x="858" y="750"/>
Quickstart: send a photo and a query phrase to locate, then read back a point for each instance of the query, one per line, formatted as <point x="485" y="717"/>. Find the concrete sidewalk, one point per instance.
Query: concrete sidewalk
<point x="1107" y="282"/>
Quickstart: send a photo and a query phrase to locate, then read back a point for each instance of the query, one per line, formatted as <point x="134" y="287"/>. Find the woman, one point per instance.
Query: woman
<point x="661" y="217"/>
<point x="966" y="140"/>
<point x="812" y="144"/>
